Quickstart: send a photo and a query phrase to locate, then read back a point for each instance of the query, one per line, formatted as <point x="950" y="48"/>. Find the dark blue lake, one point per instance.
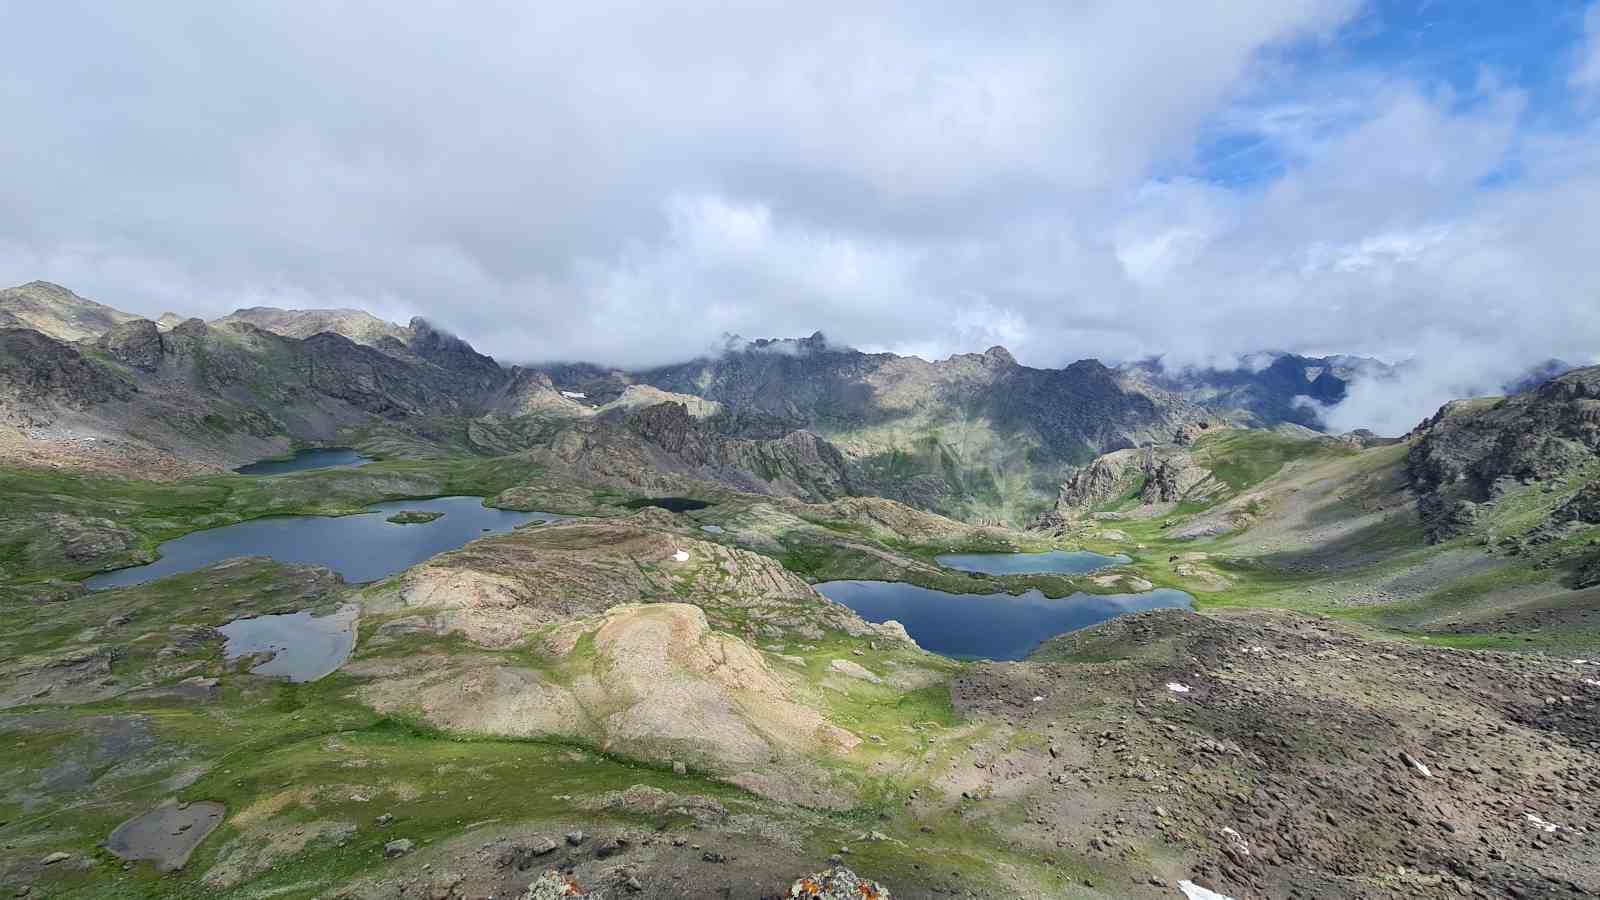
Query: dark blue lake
<point x="323" y="458"/>
<point x="988" y="626"/>
<point x="1068" y="562"/>
<point x="361" y="547"/>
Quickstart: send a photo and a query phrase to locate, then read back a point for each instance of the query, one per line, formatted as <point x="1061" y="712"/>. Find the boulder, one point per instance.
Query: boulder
<point x="837" y="883"/>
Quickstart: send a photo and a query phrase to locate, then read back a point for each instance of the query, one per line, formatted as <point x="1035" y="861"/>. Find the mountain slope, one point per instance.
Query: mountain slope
<point x="53" y="310"/>
<point x="977" y="436"/>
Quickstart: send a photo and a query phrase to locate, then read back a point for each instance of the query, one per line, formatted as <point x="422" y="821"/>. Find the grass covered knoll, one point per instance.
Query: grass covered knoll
<point x="1243" y="458"/>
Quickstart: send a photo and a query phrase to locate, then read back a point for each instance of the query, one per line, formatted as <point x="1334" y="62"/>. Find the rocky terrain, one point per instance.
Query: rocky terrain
<point x="1388" y="686"/>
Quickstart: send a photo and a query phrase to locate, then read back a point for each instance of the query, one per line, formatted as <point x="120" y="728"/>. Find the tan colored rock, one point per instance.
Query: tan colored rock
<point x="654" y="680"/>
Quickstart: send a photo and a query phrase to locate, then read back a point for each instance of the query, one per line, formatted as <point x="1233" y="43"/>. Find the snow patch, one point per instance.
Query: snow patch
<point x="1195" y="892"/>
<point x="1541" y="824"/>
<point x="681" y="556"/>
<point x="1178" y="687"/>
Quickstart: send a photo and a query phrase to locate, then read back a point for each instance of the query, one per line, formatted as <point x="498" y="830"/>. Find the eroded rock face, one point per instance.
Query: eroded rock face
<point x="38" y="373"/>
<point x="137" y="343"/>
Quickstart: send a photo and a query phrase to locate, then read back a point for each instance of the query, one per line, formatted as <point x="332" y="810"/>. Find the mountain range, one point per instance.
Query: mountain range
<point x="976" y="435"/>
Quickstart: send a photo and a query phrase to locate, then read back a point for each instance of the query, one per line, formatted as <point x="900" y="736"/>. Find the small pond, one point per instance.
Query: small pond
<point x="1068" y="562"/>
<point x="673" y="504"/>
<point x="361" y="547"/>
<point x="304" y="647"/>
<point x="988" y="626"/>
<point x="712" y="529"/>
<point x="302" y="460"/>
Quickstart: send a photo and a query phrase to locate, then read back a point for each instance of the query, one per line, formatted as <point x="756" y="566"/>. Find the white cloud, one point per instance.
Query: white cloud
<point x="628" y="182"/>
<point x="1586" y="75"/>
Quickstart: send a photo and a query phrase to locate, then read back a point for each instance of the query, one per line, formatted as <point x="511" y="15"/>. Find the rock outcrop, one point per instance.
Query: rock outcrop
<point x="40" y="377"/>
<point x="137" y="343"/>
<point x="1154" y="475"/>
<point x="1472" y="451"/>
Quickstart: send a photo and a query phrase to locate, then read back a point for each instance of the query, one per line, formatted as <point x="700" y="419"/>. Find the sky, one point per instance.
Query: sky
<point x="628" y="183"/>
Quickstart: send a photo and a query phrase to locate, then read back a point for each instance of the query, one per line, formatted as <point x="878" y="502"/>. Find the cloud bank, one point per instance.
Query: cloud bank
<point x="628" y="182"/>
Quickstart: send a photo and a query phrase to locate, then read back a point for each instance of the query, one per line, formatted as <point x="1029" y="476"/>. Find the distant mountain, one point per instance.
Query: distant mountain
<point x="1548" y="370"/>
<point x="978" y="435"/>
<point x="55" y="311"/>
<point x="357" y="325"/>
<point x="1270" y="388"/>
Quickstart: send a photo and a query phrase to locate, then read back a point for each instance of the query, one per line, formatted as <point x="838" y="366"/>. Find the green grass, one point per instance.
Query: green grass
<point x="1243" y="459"/>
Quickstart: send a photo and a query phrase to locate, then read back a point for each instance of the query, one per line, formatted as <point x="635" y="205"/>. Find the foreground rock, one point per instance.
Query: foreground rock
<point x="1307" y="758"/>
<point x="837" y="883"/>
<point x="552" y="885"/>
<point x="651" y="681"/>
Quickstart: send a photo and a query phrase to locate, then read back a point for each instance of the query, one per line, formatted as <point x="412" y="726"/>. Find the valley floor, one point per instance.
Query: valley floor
<point x="1339" y="719"/>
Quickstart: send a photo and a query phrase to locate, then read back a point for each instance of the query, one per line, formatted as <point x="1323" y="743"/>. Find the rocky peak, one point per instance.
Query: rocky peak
<point x="448" y="351"/>
<point x="191" y="328"/>
<point x="999" y="356"/>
